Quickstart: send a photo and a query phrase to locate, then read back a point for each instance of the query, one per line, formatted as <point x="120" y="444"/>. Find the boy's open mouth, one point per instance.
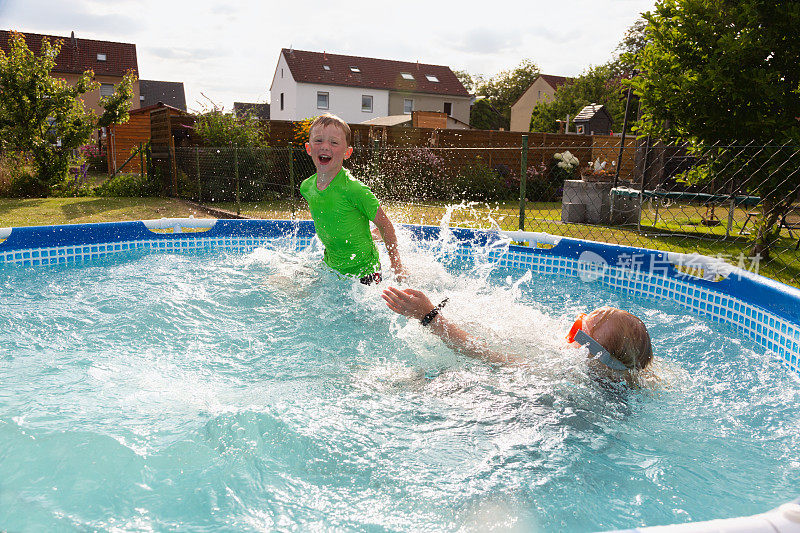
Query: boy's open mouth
<point x="324" y="159"/>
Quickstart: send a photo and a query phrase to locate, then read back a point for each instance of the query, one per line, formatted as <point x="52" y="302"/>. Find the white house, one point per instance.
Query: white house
<point x="307" y="84"/>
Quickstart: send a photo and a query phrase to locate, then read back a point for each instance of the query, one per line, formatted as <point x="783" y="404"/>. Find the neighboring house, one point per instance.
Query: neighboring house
<point x="109" y="61"/>
<point x="541" y="90"/>
<point x="260" y="111"/>
<point x="170" y="93"/>
<point x="307" y="84"/>
<point x="594" y="119"/>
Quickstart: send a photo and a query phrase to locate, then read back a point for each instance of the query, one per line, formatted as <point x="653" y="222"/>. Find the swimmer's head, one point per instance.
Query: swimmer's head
<point x="329" y="119"/>
<point x="622" y="334"/>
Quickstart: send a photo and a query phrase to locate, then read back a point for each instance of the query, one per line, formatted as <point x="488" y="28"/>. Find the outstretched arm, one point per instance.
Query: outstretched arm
<point x="389" y="237"/>
<point x="415" y="304"/>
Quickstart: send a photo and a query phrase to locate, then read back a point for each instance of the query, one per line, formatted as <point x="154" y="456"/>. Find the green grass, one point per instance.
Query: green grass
<point x="51" y="211"/>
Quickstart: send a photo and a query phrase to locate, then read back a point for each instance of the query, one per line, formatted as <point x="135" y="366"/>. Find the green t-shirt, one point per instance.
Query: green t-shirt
<point x="341" y="216"/>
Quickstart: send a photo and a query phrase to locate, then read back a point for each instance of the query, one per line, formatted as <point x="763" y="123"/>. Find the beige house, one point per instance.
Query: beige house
<point x="541" y="90"/>
<point x="109" y="61"/>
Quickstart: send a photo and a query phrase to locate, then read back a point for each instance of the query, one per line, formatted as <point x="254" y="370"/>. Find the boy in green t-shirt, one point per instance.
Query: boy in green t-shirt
<point x="342" y="206"/>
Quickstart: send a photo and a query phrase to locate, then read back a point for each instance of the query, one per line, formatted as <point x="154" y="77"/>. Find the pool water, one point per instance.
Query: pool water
<point x="260" y="391"/>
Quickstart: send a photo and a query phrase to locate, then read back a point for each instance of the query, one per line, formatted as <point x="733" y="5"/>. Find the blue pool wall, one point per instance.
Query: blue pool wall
<point x="761" y="309"/>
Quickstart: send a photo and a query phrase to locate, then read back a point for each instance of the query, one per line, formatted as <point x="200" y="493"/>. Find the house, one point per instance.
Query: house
<point x="170" y="93"/>
<point x="109" y="61"/>
<point x="542" y="89"/>
<point x="308" y="84"/>
<point x="260" y="111"/>
<point x="594" y="119"/>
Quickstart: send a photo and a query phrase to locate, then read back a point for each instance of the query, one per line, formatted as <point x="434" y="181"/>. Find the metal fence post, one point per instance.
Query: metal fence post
<point x="523" y="181"/>
<point x="141" y="162"/>
<point x="291" y="178"/>
<point x="197" y="167"/>
<point x="236" y="171"/>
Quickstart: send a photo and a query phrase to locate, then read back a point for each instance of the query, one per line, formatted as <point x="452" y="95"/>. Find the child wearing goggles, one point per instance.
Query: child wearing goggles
<point x="618" y="342"/>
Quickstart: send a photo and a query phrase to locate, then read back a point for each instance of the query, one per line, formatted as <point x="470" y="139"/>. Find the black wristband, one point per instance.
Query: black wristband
<point x="433" y="312"/>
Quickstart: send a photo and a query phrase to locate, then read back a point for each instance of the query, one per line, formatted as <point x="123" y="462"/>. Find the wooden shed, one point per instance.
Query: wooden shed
<point x="123" y="139"/>
<point x="594" y="119"/>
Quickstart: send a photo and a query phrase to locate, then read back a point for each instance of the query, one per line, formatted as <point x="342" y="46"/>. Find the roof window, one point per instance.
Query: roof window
<point x="101" y="57"/>
<point x="407" y="75"/>
<point x="355" y="69"/>
<point x="326" y="67"/>
<point x="432" y="78"/>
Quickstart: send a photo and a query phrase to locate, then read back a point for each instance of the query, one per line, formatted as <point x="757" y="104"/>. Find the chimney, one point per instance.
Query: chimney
<point x="74" y="40"/>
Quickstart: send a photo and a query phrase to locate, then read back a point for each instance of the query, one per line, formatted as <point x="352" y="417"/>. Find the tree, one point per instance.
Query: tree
<point x="716" y="71"/>
<point x="44" y="115"/>
<point x="506" y="87"/>
<point x="469" y="81"/>
<point x="600" y="85"/>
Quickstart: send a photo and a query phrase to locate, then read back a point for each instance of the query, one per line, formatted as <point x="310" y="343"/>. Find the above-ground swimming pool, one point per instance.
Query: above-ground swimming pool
<point x="226" y="380"/>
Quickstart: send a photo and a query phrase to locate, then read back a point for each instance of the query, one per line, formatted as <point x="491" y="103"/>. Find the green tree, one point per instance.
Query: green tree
<point x="45" y="116"/>
<point x="218" y="128"/>
<point x="600" y="85"/>
<point x="502" y="90"/>
<point x="469" y="81"/>
<point x="718" y="71"/>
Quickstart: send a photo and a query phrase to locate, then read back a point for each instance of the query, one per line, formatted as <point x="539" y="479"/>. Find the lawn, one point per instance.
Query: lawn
<point x="48" y="211"/>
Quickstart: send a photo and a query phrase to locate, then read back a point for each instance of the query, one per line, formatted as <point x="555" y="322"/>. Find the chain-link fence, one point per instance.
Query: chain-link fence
<point x="711" y="200"/>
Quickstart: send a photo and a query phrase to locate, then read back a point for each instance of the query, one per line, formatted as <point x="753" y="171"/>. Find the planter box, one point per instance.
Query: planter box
<point x="595" y="197"/>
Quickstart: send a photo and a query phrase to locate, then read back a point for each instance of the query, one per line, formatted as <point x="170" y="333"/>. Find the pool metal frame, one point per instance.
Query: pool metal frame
<point x="761" y="309"/>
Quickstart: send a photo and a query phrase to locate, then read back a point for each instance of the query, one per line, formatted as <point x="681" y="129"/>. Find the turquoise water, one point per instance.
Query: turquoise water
<point x="259" y="392"/>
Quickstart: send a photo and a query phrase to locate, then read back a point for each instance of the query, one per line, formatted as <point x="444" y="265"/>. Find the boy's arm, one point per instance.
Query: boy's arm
<point x="386" y="228"/>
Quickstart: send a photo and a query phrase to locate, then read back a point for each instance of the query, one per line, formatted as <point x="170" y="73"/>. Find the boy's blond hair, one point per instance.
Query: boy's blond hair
<point x="624" y="336"/>
<point x="329" y="119"/>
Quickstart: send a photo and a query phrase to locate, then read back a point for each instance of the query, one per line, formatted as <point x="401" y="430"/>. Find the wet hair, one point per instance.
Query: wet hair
<point x="329" y="119"/>
<point x="624" y="336"/>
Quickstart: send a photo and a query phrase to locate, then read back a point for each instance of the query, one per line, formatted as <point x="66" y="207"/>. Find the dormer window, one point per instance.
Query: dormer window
<point x="326" y="67"/>
<point x="101" y="57"/>
<point x="355" y="69"/>
<point x="432" y="78"/>
<point x="407" y="75"/>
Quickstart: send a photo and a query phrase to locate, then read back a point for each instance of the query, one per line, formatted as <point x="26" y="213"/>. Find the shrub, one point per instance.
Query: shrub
<point x="129" y="186"/>
<point x="27" y="185"/>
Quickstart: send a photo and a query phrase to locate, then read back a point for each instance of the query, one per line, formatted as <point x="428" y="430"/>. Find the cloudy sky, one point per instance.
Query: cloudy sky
<point x="229" y="52"/>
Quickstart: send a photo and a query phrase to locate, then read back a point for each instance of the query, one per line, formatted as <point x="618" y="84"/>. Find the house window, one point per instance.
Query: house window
<point x="281" y="73"/>
<point x="106" y="89"/>
<point x="322" y="100"/>
<point x="448" y="108"/>
<point x="366" y="103"/>
<point x="141" y="98"/>
<point x="407" y="75"/>
<point x="579" y="129"/>
<point x="408" y="106"/>
<point x="355" y="69"/>
<point x="326" y="67"/>
<point x="101" y="57"/>
<point x="432" y="78"/>
<point x="281" y="101"/>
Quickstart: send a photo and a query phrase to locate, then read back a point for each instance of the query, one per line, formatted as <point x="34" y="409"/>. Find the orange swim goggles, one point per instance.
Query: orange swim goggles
<point x="597" y="351"/>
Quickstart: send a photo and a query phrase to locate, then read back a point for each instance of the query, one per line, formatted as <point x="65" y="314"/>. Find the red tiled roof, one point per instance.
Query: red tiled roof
<point x="308" y="67"/>
<point x="79" y="55"/>
<point x="554" y="81"/>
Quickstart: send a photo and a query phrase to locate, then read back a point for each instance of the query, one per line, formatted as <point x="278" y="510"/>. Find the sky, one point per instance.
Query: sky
<point x="227" y="51"/>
